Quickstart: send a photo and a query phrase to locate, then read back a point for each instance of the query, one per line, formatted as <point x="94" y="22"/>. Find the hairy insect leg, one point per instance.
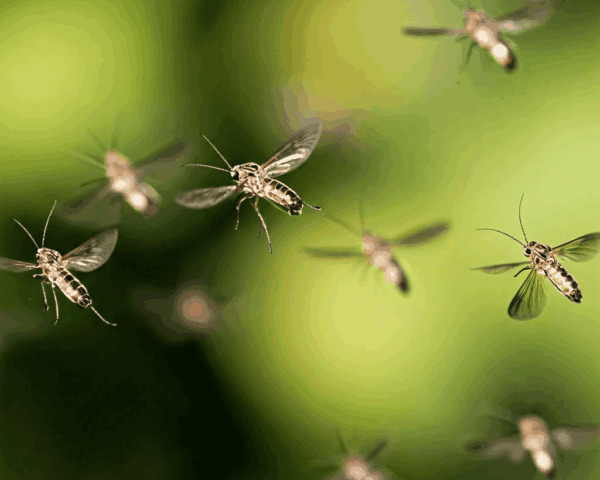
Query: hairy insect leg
<point x="46" y="307"/>
<point x="55" y="303"/>
<point x="263" y="224"/>
<point x="245" y="197"/>
<point x="102" y="318"/>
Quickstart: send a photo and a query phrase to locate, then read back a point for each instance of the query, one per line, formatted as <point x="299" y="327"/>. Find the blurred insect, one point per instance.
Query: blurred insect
<point x="531" y="298"/>
<point x="126" y="182"/>
<point x="379" y="250"/>
<point x="541" y="442"/>
<point x="87" y="257"/>
<point x="257" y="180"/>
<point x="487" y="31"/>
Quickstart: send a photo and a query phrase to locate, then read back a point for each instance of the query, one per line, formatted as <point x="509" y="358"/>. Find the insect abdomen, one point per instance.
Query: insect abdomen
<point x="565" y="282"/>
<point x="72" y="288"/>
<point x="283" y="195"/>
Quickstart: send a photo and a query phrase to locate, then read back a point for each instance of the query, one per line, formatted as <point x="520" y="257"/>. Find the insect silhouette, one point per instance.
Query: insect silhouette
<point x="379" y="250"/>
<point x="126" y="183"/>
<point x="541" y="443"/>
<point x="531" y="298"/>
<point x="257" y="181"/>
<point x="486" y="31"/>
<point x="87" y="257"/>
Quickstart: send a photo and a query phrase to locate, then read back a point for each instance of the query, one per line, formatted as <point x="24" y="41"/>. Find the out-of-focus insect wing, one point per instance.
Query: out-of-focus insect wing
<point x="506" y="446"/>
<point x="419" y="236"/>
<point x="295" y="152"/>
<point x="575" y="438"/>
<point x="581" y="249"/>
<point x="92" y="254"/>
<point x="100" y="207"/>
<point x="15" y="265"/>
<point x="530" y="16"/>
<point x="376" y="451"/>
<point x="531" y="298"/>
<point x="165" y="164"/>
<point x="334" y="252"/>
<point x="501" y="268"/>
<point x="204" y="197"/>
<point x="341" y="442"/>
<point x="431" y="32"/>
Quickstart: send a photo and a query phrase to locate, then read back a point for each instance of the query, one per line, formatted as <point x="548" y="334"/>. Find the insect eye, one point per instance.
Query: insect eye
<point x="235" y="175"/>
<point x="527" y="251"/>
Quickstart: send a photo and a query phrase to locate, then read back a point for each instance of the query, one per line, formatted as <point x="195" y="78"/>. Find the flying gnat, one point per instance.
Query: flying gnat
<point x="125" y="182"/>
<point x="541" y="443"/>
<point x="486" y="31"/>
<point x="257" y="181"/>
<point x="88" y="257"/>
<point x="542" y="261"/>
<point x="378" y="250"/>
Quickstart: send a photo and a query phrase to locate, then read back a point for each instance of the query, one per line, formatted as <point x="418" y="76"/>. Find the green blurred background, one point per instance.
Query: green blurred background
<point x="305" y="346"/>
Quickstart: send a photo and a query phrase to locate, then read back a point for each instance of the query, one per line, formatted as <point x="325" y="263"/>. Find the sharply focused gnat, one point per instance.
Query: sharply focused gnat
<point x="486" y="31"/>
<point x="256" y="181"/>
<point x="88" y="257"/>
<point x="531" y="298"/>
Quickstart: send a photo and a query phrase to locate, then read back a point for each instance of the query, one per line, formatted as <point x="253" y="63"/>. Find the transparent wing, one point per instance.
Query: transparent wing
<point x="100" y="207"/>
<point x="531" y="298"/>
<point x="15" y="265"/>
<point x="295" y="152"/>
<point x="509" y="447"/>
<point x="575" y="438"/>
<point x="420" y="236"/>
<point x="92" y="254"/>
<point x="333" y="252"/>
<point x="166" y="163"/>
<point x="501" y="268"/>
<point x="530" y="16"/>
<point x="204" y="197"/>
<point x="581" y="249"/>
<point x="431" y="32"/>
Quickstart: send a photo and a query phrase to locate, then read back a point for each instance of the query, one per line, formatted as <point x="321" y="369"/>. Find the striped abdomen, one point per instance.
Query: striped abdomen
<point x="71" y="287"/>
<point x="282" y="195"/>
<point x="564" y="281"/>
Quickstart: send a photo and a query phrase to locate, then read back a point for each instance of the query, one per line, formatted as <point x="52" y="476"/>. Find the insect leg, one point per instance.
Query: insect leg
<point x="102" y="318"/>
<point x="246" y="196"/>
<point x="55" y="303"/>
<point x="263" y="224"/>
<point x="44" y="292"/>
<point x="522" y="270"/>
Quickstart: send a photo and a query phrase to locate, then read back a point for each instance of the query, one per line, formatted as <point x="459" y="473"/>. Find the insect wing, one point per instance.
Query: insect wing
<point x="527" y="17"/>
<point x="204" y="197"/>
<point x="294" y="152"/>
<point x="370" y="457"/>
<point x="100" y="207"/>
<point x="420" y="236"/>
<point x="165" y="164"/>
<point x="431" y="32"/>
<point x="509" y="447"/>
<point x="501" y="268"/>
<point x="581" y="249"/>
<point x="92" y="254"/>
<point x="573" y="438"/>
<point x="333" y="252"/>
<point x="15" y="265"/>
<point x="531" y="298"/>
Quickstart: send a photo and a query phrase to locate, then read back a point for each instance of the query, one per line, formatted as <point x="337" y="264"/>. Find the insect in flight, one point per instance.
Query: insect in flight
<point x="379" y="250"/>
<point x="126" y="182"/>
<point x="537" y="439"/>
<point x="257" y="181"/>
<point x="486" y="31"/>
<point x="87" y="257"/>
<point x="531" y="298"/>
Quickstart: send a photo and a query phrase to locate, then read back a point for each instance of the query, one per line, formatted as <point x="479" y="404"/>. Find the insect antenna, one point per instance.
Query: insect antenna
<point x="47" y="221"/>
<point x="102" y="318"/>
<point x="522" y="229"/>
<point x="499" y="231"/>
<point x="343" y="224"/>
<point x="207" y="166"/>
<point x="215" y="148"/>
<point x="27" y="232"/>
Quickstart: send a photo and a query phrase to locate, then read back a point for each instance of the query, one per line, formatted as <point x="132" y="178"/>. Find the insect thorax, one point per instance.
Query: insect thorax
<point x="119" y="171"/>
<point x="50" y="261"/>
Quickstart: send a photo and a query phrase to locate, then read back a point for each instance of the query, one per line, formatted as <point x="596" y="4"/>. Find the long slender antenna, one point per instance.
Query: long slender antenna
<point x="224" y="159"/>
<point x="523" y="230"/>
<point x="47" y="220"/>
<point x="343" y="224"/>
<point x="499" y="231"/>
<point x="207" y="166"/>
<point x="27" y="232"/>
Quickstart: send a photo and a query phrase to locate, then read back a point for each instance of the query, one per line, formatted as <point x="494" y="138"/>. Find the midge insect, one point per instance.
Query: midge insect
<point x="379" y="250"/>
<point x="486" y="31"/>
<point x="126" y="183"/>
<point x="88" y="257"/>
<point x="531" y="298"/>
<point x="537" y="439"/>
<point x="257" y="181"/>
